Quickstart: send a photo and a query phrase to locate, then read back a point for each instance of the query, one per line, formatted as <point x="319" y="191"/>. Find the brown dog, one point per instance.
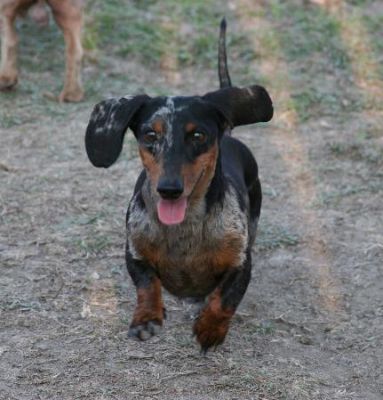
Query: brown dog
<point x="68" y="16"/>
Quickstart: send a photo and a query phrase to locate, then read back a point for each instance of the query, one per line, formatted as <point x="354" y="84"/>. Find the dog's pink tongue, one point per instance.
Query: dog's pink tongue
<point x="171" y="212"/>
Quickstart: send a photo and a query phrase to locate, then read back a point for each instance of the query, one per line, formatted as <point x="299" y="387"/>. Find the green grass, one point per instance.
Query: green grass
<point x="336" y="196"/>
<point x="41" y="49"/>
<point x="8" y="119"/>
<point x="320" y="71"/>
<point x="374" y="26"/>
<point x="146" y="32"/>
<point x="95" y="244"/>
<point x="264" y="328"/>
<point x="310" y="102"/>
<point x="19" y="305"/>
<point x="83" y="219"/>
<point x="308" y="31"/>
<point x="271" y="237"/>
<point x="363" y="147"/>
<point x="149" y="31"/>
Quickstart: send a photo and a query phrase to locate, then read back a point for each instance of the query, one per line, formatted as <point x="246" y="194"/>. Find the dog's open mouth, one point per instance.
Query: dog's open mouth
<point x="172" y="212"/>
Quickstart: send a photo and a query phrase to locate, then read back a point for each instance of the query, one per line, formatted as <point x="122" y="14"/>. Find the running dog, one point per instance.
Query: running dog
<point x="192" y="220"/>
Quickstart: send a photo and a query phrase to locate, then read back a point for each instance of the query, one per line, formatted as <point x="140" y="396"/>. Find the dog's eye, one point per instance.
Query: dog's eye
<point x="198" y="137"/>
<point x="150" y="137"/>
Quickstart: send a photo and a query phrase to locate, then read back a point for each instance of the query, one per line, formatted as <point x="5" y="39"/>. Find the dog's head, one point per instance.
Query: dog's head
<point x="178" y="138"/>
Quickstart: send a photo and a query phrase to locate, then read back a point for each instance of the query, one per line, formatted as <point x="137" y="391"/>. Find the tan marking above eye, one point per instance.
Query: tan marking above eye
<point x="158" y="126"/>
<point x="194" y="134"/>
<point x="190" y="127"/>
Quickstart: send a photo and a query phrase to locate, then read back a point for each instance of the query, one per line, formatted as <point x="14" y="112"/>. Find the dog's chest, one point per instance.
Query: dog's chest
<point x="190" y="257"/>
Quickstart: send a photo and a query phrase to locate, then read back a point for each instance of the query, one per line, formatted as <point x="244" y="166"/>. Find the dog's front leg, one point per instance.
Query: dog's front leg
<point x="213" y="322"/>
<point x="8" y="70"/>
<point x="68" y="15"/>
<point x="149" y="313"/>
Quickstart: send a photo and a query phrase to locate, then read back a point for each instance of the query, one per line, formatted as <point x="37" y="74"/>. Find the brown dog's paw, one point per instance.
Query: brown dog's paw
<point x="71" y="96"/>
<point x="145" y="330"/>
<point x="211" y="328"/>
<point x="8" y="81"/>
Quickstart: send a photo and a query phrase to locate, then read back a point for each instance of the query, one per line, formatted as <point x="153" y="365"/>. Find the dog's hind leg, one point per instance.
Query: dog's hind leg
<point x="8" y="70"/>
<point x="213" y="322"/>
<point x="149" y="313"/>
<point x="68" y="16"/>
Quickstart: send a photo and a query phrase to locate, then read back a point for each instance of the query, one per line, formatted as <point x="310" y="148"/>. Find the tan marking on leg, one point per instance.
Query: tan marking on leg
<point x="190" y="127"/>
<point x="150" y="306"/>
<point x="158" y="126"/>
<point x="213" y="323"/>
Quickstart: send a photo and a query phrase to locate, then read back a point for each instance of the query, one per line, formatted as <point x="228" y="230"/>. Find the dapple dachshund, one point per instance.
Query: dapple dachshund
<point x="192" y="220"/>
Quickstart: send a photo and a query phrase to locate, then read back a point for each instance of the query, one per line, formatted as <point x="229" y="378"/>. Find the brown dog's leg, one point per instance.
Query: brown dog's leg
<point x="8" y="70"/>
<point x="213" y="322"/>
<point x="149" y="313"/>
<point x="68" y="15"/>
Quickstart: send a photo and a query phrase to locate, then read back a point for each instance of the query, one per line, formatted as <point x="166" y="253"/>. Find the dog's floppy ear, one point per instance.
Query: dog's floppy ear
<point x="107" y="126"/>
<point x="242" y="106"/>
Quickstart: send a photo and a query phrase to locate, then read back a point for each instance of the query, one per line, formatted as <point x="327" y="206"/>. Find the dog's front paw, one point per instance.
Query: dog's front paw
<point x="8" y="80"/>
<point x="211" y="327"/>
<point x="71" y="95"/>
<point x="145" y="330"/>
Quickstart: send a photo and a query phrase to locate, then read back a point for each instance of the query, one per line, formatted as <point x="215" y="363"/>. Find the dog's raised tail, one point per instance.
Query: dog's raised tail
<point x="223" y="72"/>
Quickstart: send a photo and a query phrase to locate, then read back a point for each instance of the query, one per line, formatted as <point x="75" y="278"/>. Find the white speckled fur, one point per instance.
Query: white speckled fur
<point x="167" y="114"/>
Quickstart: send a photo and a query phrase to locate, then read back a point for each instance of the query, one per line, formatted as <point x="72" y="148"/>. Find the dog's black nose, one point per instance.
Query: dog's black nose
<point x="170" y="188"/>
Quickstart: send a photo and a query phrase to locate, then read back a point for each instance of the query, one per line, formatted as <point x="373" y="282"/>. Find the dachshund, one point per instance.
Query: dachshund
<point x="192" y="220"/>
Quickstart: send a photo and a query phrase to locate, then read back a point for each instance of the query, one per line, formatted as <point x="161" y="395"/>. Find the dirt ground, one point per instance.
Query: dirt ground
<point x="311" y="323"/>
